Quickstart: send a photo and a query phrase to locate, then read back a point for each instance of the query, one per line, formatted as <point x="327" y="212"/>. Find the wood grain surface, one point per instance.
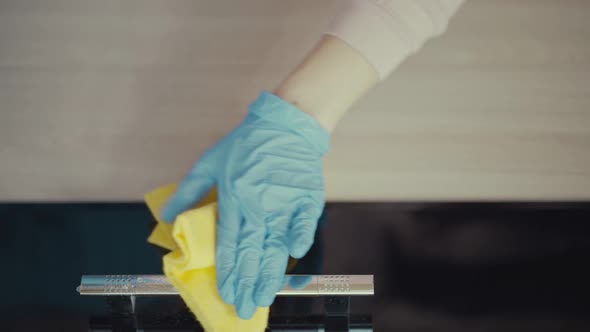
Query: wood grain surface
<point x="105" y="100"/>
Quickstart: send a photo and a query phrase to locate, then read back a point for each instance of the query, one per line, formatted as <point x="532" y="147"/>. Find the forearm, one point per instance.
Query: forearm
<point x="363" y="45"/>
<point x="329" y="80"/>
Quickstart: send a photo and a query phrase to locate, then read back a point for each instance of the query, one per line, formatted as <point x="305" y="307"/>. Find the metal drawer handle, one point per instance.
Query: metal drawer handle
<point x="319" y="285"/>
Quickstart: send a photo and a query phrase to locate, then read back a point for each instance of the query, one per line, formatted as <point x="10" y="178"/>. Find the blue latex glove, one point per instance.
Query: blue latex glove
<point x="312" y="263"/>
<point x="268" y="172"/>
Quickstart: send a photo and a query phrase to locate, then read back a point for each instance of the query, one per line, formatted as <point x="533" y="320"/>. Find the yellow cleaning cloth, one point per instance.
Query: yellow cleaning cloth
<point x="190" y="267"/>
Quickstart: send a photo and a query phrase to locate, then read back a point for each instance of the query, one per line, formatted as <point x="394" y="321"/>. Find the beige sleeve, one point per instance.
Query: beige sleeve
<point x="386" y="32"/>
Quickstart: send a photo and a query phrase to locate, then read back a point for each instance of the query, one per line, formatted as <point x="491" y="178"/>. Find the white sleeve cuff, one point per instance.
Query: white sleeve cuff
<point x="386" y="32"/>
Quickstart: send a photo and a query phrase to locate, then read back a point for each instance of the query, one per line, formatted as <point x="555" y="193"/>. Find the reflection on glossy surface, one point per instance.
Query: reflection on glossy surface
<point x="437" y="267"/>
<point x="297" y="281"/>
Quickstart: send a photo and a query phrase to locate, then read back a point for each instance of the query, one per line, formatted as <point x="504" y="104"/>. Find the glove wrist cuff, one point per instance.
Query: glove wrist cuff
<point x="272" y="108"/>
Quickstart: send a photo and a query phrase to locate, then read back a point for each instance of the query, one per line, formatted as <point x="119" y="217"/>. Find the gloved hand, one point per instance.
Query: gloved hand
<point x="313" y="263"/>
<point x="268" y="172"/>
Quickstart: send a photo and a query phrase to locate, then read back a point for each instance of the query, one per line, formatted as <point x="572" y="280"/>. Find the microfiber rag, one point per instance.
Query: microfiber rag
<point x="190" y="266"/>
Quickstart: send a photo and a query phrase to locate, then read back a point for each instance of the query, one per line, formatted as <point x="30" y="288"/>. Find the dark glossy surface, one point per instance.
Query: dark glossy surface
<point x="438" y="267"/>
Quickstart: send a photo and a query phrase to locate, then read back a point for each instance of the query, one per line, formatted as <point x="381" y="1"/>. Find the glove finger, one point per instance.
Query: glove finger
<point x="228" y="231"/>
<point x="274" y="261"/>
<point x="249" y="254"/>
<point x="190" y="191"/>
<point x="302" y="230"/>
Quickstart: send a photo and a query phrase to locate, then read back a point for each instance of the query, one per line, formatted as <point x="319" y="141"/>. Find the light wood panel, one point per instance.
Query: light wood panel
<point x="104" y="100"/>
